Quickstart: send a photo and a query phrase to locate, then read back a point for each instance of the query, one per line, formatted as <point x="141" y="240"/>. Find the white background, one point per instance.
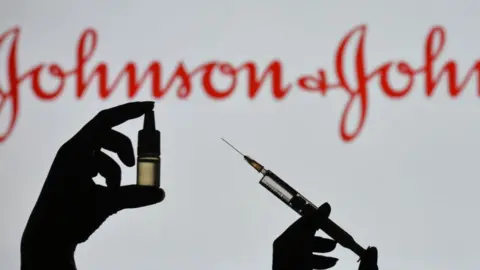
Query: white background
<point x="407" y="185"/>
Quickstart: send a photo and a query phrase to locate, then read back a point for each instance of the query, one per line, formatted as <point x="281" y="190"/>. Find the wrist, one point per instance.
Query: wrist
<point x="47" y="256"/>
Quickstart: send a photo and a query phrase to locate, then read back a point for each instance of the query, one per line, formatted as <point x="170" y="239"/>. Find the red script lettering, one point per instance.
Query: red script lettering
<point x="160" y="85"/>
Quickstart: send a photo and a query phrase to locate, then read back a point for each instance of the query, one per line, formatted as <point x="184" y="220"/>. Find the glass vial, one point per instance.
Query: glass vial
<point x="148" y="156"/>
<point x="148" y="171"/>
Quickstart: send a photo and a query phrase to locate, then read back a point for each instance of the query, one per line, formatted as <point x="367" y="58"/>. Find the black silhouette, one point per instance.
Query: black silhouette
<point x="71" y="206"/>
<point x="295" y="248"/>
<point x="369" y="260"/>
<point x="297" y="202"/>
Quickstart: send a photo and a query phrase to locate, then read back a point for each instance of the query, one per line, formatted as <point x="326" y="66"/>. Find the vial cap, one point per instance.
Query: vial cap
<point x="149" y="137"/>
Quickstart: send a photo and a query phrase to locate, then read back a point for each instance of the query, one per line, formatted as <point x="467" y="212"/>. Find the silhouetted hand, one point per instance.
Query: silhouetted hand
<point x="369" y="259"/>
<point x="293" y="250"/>
<point x="71" y="206"/>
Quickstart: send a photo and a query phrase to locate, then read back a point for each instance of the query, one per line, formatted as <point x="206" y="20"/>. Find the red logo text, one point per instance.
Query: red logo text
<point x="162" y="81"/>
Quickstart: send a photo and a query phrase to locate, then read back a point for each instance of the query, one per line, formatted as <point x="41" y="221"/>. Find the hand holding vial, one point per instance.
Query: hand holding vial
<point x="71" y="206"/>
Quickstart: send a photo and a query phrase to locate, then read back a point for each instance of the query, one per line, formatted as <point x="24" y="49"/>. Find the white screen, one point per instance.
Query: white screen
<point x="407" y="184"/>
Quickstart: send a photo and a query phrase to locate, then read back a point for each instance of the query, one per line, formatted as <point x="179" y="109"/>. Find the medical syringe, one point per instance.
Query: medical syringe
<point x="300" y="204"/>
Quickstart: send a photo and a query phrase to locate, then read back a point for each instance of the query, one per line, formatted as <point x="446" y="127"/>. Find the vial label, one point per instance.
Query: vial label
<point x="276" y="188"/>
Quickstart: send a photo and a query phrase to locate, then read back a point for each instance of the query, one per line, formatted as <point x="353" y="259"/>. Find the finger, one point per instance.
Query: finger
<point x="369" y="260"/>
<point x="117" y="142"/>
<point x="322" y="245"/>
<point x="120" y="114"/>
<point x="323" y="262"/>
<point x="91" y="168"/>
<point x="134" y="196"/>
<point x="317" y="218"/>
<point x="312" y="222"/>
<point x="109" y="169"/>
<point x="115" y="116"/>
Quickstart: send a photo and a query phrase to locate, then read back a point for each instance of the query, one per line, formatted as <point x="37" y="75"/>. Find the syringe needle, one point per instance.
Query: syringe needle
<point x="257" y="166"/>
<point x="232" y="147"/>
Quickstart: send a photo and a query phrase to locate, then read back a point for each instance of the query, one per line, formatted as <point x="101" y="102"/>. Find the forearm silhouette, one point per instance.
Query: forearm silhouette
<point x="71" y="206"/>
<point x="295" y="248"/>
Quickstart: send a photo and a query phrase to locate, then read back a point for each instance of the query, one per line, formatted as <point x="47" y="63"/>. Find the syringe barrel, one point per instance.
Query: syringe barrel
<point x="303" y="206"/>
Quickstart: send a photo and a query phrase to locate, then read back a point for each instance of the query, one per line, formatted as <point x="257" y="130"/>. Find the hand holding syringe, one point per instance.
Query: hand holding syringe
<point x="300" y="204"/>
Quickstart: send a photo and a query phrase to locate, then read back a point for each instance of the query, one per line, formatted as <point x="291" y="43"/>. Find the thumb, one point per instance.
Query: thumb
<point x="369" y="260"/>
<point x="318" y="217"/>
<point x="313" y="220"/>
<point x="134" y="196"/>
